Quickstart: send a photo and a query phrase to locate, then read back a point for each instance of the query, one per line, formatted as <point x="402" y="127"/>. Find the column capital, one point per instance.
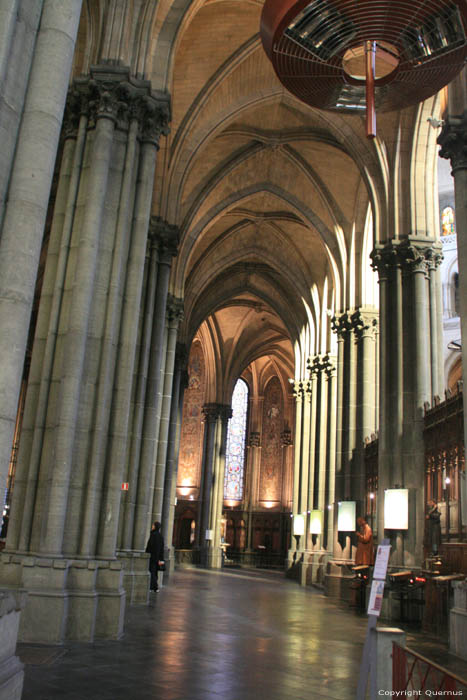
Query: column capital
<point x="210" y="412"/>
<point x="341" y="324"/>
<point x="164" y="237"/>
<point x="254" y="439"/>
<point x="112" y="92"/>
<point x="298" y="389"/>
<point x="174" y="310"/>
<point x="365" y="323"/>
<point x="410" y="255"/>
<point x="453" y="142"/>
<point x="225" y="412"/>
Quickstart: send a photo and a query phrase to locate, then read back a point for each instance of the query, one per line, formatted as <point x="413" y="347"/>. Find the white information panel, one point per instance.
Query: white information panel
<point x="381" y="563"/>
<point x="209" y="534"/>
<point x="346" y="516"/>
<point x="316" y="522"/>
<point x="376" y="598"/>
<point x="396" y="509"/>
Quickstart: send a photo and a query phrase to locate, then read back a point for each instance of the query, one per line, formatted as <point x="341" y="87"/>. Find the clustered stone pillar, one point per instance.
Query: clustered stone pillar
<point x="30" y="137"/>
<point x="409" y="378"/>
<point x="71" y="462"/>
<point x="215" y="559"/>
<point x="252" y="470"/>
<point x="297" y="541"/>
<point x="145" y="469"/>
<point x="216" y="418"/>
<point x="211" y="414"/>
<point x="173" y="442"/>
<point x="453" y="141"/>
<point x="357" y="391"/>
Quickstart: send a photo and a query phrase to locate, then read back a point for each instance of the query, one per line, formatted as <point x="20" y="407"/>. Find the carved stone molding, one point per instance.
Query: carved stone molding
<point x="211" y="412"/>
<point x="175" y="309"/>
<point x="365" y="323"/>
<point x="286" y="438"/>
<point x="341" y="324"/>
<point x="254" y="440"/>
<point x="111" y="92"/>
<point x="164" y="237"/>
<point x="298" y="389"/>
<point x="453" y="142"/>
<point x="225" y="412"/>
<point x="409" y="255"/>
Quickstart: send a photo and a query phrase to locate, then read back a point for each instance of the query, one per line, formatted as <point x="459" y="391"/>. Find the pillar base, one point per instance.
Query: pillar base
<point x="458" y="620"/>
<point x="313" y="567"/>
<point x="136" y="577"/>
<point x="68" y="599"/>
<point x="337" y="578"/>
<point x="11" y="668"/>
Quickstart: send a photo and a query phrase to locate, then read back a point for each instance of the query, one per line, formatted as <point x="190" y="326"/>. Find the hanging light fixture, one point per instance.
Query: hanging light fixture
<point x="357" y="55"/>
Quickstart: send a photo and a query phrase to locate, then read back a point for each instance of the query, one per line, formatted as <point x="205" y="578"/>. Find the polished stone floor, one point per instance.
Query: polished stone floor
<point x="212" y="636"/>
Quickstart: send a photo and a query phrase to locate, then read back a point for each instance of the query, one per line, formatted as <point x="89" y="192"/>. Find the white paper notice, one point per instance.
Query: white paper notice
<point x="376" y="598"/>
<point x="381" y="563"/>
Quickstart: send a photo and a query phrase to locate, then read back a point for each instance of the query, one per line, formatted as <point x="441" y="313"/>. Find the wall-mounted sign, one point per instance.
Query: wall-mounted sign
<point x="125" y="486"/>
<point x="209" y="534"/>
<point x="346" y="516"/>
<point x="316" y="522"/>
<point x="396" y="509"/>
<point x="298" y="524"/>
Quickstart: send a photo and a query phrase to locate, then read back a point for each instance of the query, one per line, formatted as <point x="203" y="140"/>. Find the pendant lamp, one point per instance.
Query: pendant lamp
<point x="365" y="55"/>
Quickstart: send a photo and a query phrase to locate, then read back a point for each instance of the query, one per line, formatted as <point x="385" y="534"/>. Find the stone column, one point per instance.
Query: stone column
<point x="176" y="409"/>
<point x="330" y="453"/>
<point x="28" y="196"/>
<point x="120" y="418"/>
<point x="167" y="236"/>
<point x="84" y="354"/>
<point x="49" y="522"/>
<point x="314" y="396"/>
<point x="434" y="260"/>
<point x="365" y="322"/>
<point x="137" y="407"/>
<point x="211" y="413"/>
<point x="342" y="326"/>
<point x="253" y="465"/>
<point x="453" y="142"/>
<point x="39" y="379"/>
<point x="218" y="497"/>
<point x="298" y="390"/>
<point x="306" y="462"/>
<point x="174" y="315"/>
<point x="407" y="327"/>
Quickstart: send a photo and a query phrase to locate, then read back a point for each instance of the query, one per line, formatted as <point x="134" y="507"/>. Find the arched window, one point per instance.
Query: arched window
<point x="447" y="221"/>
<point x="236" y="437"/>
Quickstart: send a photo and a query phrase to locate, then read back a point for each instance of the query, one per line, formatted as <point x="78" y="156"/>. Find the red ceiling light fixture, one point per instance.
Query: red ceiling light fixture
<point x="356" y="55"/>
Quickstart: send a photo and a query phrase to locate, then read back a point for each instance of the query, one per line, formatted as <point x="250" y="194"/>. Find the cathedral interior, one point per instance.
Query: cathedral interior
<point x="228" y="304"/>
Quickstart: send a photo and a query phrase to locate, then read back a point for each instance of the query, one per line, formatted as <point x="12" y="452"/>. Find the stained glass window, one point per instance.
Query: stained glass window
<point x="235" y="450"/>
<point x="447" y="221"/>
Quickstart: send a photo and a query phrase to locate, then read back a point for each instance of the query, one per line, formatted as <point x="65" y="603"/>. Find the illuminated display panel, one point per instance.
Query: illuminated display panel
<point x="396" y="509"/>
<point x="346" y="516"/>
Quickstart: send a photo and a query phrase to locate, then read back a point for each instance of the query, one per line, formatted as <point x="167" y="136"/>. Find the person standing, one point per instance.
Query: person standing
<point x="364" y="555"/>
<point x="155" y="547"/>
<point x="434" y="526"/>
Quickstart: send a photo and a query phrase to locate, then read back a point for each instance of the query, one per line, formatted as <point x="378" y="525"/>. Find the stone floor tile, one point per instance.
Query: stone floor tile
<point x="215" y="636"/>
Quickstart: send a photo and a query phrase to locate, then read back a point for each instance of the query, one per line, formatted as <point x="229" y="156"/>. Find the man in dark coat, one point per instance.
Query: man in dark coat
<point x="155" y="547"/>
<point x="434" y="526"/>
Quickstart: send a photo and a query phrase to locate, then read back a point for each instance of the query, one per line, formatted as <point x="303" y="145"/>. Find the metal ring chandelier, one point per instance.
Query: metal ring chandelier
<point x="351" y="55"/>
